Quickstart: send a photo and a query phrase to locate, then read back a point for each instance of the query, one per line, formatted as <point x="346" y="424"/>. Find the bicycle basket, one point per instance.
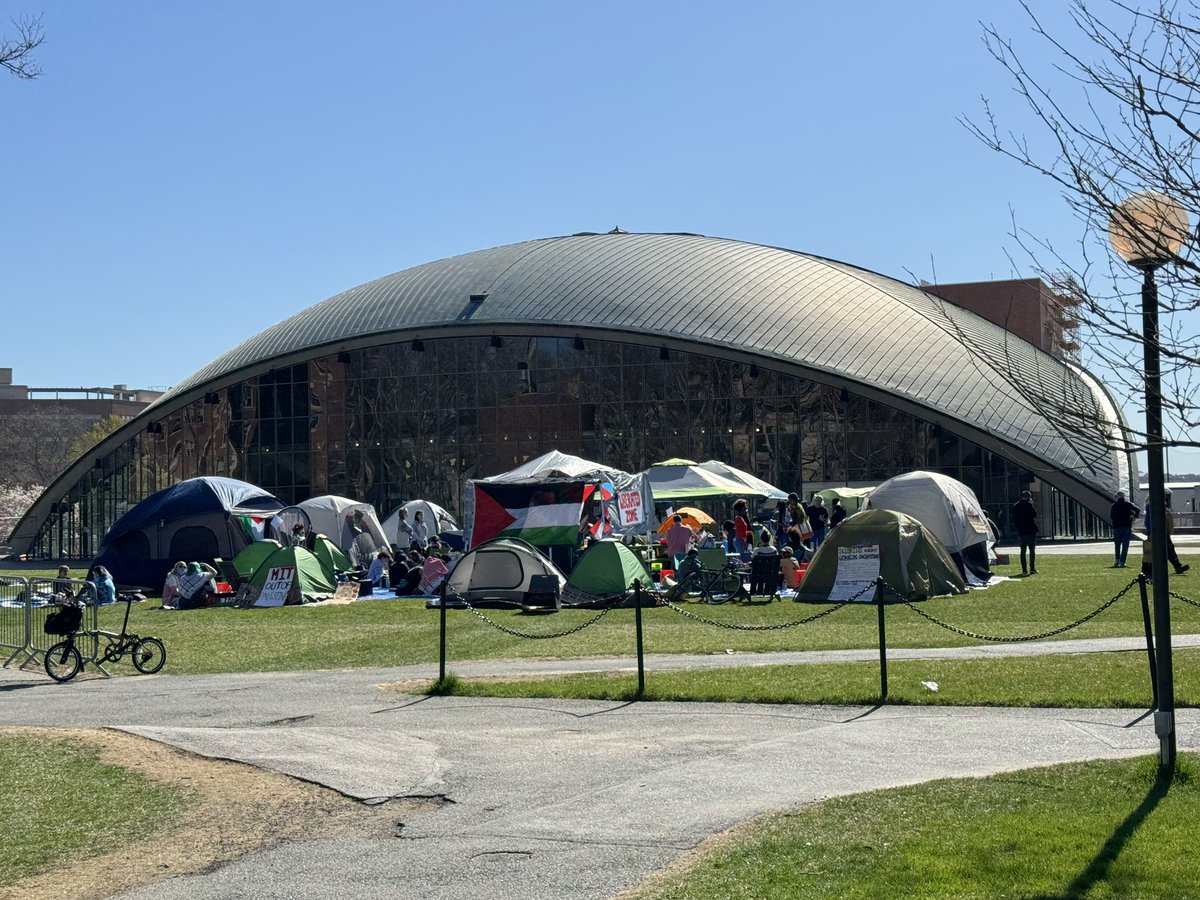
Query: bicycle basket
<point x="65" y="621"/>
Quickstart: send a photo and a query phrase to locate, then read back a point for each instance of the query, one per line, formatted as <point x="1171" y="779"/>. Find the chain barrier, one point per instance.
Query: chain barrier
<point x="777" y="627"/>
<point x="1016" y="640"/>
<point x="1187" y="600"/>
<point x="524" y="634"/>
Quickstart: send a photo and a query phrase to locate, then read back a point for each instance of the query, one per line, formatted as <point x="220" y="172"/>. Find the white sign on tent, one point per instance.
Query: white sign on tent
<point x="858" y="567"/>
<point x="275" y="589"/>
<point x="630" y="503"/>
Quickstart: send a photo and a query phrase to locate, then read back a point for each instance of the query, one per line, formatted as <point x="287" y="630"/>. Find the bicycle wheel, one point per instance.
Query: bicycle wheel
<point x="63" y="661"/>
<point x="149" y="655"/>
<point x="730" y="583"/>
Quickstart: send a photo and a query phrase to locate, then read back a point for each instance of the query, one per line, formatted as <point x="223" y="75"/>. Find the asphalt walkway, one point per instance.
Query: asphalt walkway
<point x="556" y="799"/>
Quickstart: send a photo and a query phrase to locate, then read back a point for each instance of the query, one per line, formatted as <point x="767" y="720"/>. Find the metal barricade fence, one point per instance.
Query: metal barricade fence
<point x="46" y="596"/>
<point x="14" y="616"/>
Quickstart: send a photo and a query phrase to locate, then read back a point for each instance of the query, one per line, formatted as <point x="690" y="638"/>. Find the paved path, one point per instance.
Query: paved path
<point x="551" y="799"/>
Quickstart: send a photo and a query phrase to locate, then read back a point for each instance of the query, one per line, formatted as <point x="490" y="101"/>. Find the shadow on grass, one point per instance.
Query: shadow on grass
<point x="1096" y="871"/>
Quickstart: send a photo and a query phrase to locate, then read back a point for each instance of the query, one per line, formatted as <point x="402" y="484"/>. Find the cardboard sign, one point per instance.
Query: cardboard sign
<point x="275" y="589"/>
<point x="346" y="592"/>
<point x="630" y="504"/>
<point x="858" y="567"/>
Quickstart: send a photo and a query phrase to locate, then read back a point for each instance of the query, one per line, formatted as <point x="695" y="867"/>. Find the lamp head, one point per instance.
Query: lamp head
<point x="1147" y="229"/>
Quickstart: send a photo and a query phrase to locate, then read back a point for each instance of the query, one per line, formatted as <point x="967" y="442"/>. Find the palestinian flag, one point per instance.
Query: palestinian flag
<point x="544" y="514"/>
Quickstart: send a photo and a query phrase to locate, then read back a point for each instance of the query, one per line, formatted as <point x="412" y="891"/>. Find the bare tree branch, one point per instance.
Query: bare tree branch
<point x="16" y="54"/>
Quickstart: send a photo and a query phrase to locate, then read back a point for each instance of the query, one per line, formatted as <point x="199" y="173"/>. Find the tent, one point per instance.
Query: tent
<point x="853" y="499"/>
<point x="608" y="567"/>
<point x="501" y="572"/>
<point x="289" y="575"/>
<point x="548" y="500"/>
<point x="330" y="555"/>
<point x="682" y="479"/>
<point x="251" y="556"/>
<point x="946" y="507"/>
<point x="197" y="520"/>
<point x="437" y="519"/>
<point x="874" y="543"/>
<point x="345" y="521"/>
<point x="752" y="486"/>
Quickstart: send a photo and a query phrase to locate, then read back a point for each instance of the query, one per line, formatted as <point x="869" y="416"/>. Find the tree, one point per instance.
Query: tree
<point x="1117" y="113"/>
<point x="37" y="446"/>
<point x="15" y="499"/>
<point x="99" y="430"/>
<point x="16" y="54"/>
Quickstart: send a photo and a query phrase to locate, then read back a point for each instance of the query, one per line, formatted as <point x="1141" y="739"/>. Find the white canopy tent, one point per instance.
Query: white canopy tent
<point x="683" y="479"/>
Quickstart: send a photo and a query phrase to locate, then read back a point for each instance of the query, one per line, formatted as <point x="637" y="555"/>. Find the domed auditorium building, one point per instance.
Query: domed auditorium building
<point x="625" y="349"/>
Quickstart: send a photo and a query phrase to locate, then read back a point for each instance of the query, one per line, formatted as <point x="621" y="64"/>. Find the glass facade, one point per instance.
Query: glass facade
<point x="392" y="423"/>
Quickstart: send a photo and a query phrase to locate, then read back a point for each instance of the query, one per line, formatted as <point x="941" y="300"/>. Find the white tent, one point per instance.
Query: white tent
<point x="436" y="519"/>
<point x="501" y="571"/>
<point x="754" y="486"/>
<point x="945" y="506"/>
<point x="353" y="526"/>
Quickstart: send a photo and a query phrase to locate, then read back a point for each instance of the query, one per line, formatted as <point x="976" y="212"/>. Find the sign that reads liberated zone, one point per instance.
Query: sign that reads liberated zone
<point x="275" y="589"/>
<point x="631" y="507"/>
<point x="858" y="567"/>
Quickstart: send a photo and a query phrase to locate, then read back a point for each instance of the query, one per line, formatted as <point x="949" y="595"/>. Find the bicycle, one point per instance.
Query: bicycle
<point x="64" y="661"/>
<point x="715" y="586"/>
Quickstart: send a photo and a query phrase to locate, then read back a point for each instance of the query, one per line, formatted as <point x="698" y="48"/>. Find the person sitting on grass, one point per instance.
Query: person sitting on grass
<point x="378" y="572"/>
<point x="197" y="586"/>
<point x="102" y="581"/>
<point x="170" y="592"/>
<point x="789" y="567"/>
<point x="433" y="572"/>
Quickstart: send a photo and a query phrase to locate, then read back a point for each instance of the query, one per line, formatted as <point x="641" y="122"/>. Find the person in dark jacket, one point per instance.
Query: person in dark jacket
<point x="1122" y="516"/>
<point x="1024" y="519"/>
<point x="836" y="514"/>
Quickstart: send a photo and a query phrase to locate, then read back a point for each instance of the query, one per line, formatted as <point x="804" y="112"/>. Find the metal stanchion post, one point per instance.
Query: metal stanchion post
<point x="1149" y="639"/>
<point x="883" y="685"/>
<point x="637" y="602"/>
<point x="442" y="614"/>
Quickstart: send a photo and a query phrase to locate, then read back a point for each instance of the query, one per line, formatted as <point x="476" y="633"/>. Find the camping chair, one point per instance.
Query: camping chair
<point x="228" y="572"/>
<point x="764" y="576"/>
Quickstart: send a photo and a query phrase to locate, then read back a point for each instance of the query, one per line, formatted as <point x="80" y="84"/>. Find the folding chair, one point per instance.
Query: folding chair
<point x="765" y="576"/>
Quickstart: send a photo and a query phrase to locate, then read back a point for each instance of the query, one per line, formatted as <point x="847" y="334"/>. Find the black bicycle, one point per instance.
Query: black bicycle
<point x="64" y="661"/>
<point x="723" y="585"/>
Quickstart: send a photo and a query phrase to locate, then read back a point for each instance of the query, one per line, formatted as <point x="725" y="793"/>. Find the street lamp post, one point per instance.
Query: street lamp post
<point x="1146" y="231"/>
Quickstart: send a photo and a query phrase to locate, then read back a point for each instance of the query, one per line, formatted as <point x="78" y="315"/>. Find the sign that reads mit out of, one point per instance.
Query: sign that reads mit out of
<point x="858" y="567"/>
<point x="275" y="589"/>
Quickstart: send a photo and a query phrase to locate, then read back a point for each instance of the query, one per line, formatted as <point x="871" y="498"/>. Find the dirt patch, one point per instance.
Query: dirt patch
<point x="238" y="810"/>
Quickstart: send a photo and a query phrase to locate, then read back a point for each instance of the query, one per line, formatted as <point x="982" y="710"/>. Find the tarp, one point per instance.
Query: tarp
<point x="608" y="567"/>
<point x="500" y="571"/>
<point x="197" y="520"/>
<point x="682" y="479"/>
<point x="853" y="499"/>
<point x="310" y="578"/>
<point x="945" y="506"/>
<point x="752" y="486"/>
<point x="334" y="517"/>
<point x="548" y="500"/>
<point x="874" y="543"/>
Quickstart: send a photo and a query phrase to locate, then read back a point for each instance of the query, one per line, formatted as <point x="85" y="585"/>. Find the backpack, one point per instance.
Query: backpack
<point x="65" y="621"/>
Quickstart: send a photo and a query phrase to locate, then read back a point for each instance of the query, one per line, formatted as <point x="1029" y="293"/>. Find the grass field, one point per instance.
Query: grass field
<point x="402" y="631"/>
<point x="58" y="801"/>
<point x="1097" y="829"/>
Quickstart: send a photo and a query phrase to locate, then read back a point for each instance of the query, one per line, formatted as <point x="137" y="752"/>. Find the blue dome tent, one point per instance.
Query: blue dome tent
<point x="196" y="520"/>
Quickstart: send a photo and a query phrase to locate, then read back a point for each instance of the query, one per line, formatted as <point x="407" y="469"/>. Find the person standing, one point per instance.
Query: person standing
<point x="741" y="526"/>
<point x="1172" y="555"/>
<point x="420" y="531"/>
<point x="678" y="540"/>
<point x="838" y="513"/>
<point x="1122" y="516"/>
<point x="1024" y="519"/>
<point x="404" y="532"/>
<point x="818" y="517"/>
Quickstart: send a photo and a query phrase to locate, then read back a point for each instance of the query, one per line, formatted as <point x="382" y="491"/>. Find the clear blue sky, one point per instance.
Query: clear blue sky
<point x="184" y="175"/>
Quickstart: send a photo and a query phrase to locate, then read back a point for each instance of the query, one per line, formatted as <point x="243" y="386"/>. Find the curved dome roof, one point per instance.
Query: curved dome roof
<point x="838" y="323"/>
<point x="817" y="318"/>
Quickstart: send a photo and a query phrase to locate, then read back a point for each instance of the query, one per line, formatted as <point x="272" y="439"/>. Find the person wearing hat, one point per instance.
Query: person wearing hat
<point x="1122" y="516"/>
<point x="1024" y="519"/>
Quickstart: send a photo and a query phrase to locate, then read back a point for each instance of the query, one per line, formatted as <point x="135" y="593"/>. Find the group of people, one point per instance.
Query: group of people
<point x="99" y="577"/>
<point x="800" y="527"/>
<point x="417" y="563"/>
<point x="189" y="586"/>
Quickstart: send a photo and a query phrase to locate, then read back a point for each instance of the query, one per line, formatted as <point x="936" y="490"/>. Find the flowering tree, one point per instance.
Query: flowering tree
<point x="15" y="499"/>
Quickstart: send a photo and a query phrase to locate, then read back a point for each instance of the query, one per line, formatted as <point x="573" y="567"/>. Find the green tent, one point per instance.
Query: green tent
<point x="880" y="542"/>
<point x="251" y="555"/>
<point x="330" y="554"/>
<point x="309" y="578"/>
<point x="608" y="567"/>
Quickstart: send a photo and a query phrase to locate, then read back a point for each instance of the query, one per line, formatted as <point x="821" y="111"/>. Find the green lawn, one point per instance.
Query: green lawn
<point x="1095" y="830"/>
<point x="402" y="631"/>
<point x="58" y="801"/>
